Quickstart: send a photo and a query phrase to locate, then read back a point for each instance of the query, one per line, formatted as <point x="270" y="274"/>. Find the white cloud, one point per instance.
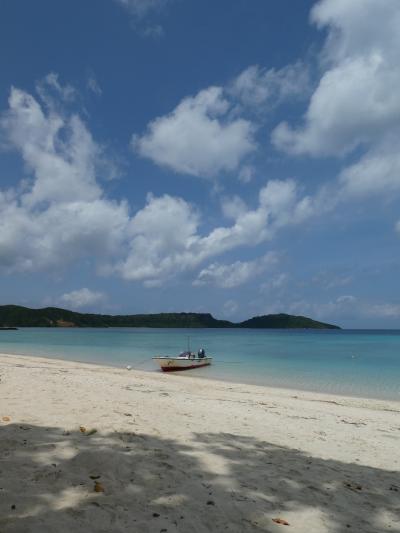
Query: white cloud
<point x="235" y="274"/>
<point x="93" y="85"/>
<point x="356" y="104"/>
<point x="346" y="299"/>
<point x="346" y="307"/>
<point x="385" y="310"/>
<point x="61" y="153"/>
<point x="356" y="100"/>
<point x="140" y="8"/>
<point x="233" y="207"/>
<point x="165" y="237"/>
<point x="377" y="171"/>
<point x="208" y="134"/>
<point x="198" y="137"/>
<point x="246" y="173"/>
<point x="82" y="298"/>
<point x="329" y="279"/>
<point x="275" y="283"/>
<point x="161" y="236"/>
<point x="60" y="213"/>
<point x="257" y="86"/>
<point x="50" y="89"/>
<point x="156" y="31"/>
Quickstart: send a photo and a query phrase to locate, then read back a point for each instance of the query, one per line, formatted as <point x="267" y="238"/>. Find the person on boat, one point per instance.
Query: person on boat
<point x="201" y="353"/>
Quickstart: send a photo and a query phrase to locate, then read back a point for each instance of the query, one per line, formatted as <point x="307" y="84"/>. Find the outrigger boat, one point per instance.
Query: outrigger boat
<point x="184" y="361"/>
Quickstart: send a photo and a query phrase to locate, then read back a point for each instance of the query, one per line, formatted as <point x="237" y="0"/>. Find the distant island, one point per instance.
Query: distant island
<point x="12" y="316"/>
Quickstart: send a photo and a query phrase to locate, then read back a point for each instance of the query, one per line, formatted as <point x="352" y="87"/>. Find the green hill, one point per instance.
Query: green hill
<point x="14" y="315"/>
<point x="285" y="321"/>
<point x="18" y="316"/>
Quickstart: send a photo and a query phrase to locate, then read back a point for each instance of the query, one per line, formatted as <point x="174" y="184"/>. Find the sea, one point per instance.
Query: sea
<point x="363" y="363"/>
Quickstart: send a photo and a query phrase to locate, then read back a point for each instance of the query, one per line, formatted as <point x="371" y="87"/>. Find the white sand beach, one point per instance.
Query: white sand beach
<point x="92" y="448"/>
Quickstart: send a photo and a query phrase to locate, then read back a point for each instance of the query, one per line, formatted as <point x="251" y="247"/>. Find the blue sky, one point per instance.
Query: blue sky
<point x="234" y="157"/>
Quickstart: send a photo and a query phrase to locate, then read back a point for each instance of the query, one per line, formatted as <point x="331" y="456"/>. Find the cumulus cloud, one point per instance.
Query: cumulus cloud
<point x="82" y="298"/>
<point x="233" y="207"/>
<point x="165" y="238"/>
<point x="161" y="237"/>
<point x="232" y="275"/>
<point x="64" y="169"/>
<point x="376" y="171"/>
<point x="210" y="133"/>
<point x="356" y="99"/>
<point x="198" y="137"/>
<point x="60" y="213"/>
<point x="356" y="104"/>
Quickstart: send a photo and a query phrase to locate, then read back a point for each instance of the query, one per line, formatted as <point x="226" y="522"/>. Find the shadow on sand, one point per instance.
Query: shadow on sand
<point x="217" y="482"/>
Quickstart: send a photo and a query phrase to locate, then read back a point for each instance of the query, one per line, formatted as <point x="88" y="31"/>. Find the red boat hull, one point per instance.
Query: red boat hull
<point x="177" y="368"/>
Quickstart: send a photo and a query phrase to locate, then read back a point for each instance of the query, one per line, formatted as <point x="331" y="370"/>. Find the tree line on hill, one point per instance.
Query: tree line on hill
<point x="18" y="316"/>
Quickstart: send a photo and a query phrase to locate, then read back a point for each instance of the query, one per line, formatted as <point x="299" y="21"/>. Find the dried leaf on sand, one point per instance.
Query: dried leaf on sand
<point x="98" y="487"/>
<point x="281" y="521"/>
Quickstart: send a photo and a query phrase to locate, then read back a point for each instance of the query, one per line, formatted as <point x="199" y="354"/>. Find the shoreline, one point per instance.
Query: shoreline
<point x="271" y="387"/>
<point x="191" y="454"/>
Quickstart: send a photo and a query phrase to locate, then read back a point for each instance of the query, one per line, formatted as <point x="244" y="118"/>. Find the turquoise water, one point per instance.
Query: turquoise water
<point x="357" y="363"/>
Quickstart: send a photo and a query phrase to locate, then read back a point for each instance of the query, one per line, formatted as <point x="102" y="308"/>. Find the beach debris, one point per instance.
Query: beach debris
<point x="156" y="515"/>
<point x="6" y="419"/>
<point x="95" y="477"/>
<point x="98" y="487"/>
<point x="394" y="488"/>
<point x="210" y="502"/>
<point x="353" y="486"/>
<point x="281" y="521"/>
<point x="82" y="429"/>
<point x="128" y="367"/>
<point x="357" y="424"/>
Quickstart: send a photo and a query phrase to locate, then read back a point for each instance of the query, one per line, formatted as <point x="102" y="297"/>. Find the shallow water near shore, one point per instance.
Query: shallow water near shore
<point x="347" y="362"/>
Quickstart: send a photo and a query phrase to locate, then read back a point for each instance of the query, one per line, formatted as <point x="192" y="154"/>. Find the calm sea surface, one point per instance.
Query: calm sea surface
<point x="350" y="362"/>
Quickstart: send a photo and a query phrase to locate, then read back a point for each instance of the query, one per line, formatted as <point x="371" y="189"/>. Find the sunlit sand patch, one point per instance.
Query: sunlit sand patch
<point x="56" y="454"/>
<point x="385" y="520"/>
<point x="212" y="463"/>
<point x="173" y="500"/>
<point x="67" y="498"/>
